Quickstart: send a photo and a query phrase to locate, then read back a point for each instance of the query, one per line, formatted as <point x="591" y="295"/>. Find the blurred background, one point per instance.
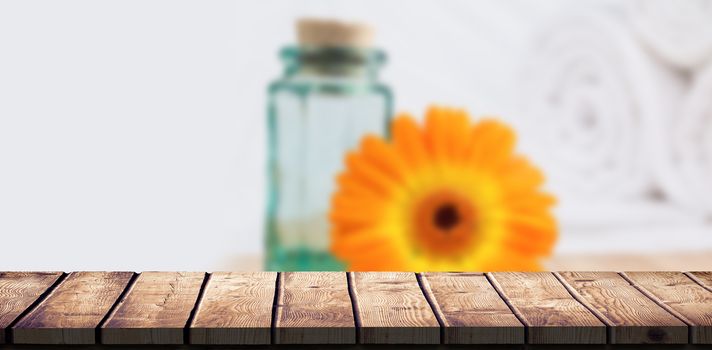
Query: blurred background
<point x="133" y="133"/>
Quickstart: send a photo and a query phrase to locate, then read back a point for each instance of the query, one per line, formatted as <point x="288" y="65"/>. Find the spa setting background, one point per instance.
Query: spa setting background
<point x="139" y="126"/>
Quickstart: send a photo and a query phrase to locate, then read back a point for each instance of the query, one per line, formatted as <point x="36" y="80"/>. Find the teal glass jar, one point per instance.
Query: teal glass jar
<point x="327" y="99"/>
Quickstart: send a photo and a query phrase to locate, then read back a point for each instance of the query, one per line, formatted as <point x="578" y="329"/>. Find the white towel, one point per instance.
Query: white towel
<point x="589" y="91"/>
<point x="684" y="145"/>
<point x="679" y="32"/>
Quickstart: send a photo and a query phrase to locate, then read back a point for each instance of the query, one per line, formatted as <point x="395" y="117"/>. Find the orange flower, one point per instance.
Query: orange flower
<point x="450" y="196"/>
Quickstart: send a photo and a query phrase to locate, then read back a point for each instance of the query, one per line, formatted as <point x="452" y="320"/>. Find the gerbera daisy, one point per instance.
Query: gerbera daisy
<point x="448" y="196"/>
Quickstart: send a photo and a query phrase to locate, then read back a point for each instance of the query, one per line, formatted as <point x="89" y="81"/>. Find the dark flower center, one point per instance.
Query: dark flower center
<point x="446" y="217"/>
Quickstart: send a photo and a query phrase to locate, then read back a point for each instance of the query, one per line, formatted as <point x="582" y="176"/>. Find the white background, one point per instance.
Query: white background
<point x="132" y="133"/>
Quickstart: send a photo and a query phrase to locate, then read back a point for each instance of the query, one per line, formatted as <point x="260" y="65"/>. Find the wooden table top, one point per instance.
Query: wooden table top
<point x="241" y="308"/>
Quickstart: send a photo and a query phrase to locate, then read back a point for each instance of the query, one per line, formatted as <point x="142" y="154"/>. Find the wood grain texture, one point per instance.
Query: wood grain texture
<point x="236" y="309"/>
<point x="37" y="309"/>
<point x="155" y="310"/>
<point x="471" y="310"/>
<point x="18" y="291"/>
<point x="551" y="314"/>
<point x="391" y="309"/>
<point x="314" y="308"/>
<point x="683" y="295"/>
<point x="704" y="278"/>
<point x="633" y="318"/>
<point x="70" y="314"/>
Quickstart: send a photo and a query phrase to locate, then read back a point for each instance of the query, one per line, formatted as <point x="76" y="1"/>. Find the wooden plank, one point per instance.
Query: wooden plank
<point x="72" y="311"/>
<point x="550" y="313"/>
<point x="236" y="308"/>
<point x="682" y="295"/>
<point x="18" y="291"/>
<point x="704" y="278"/>
<point x="633" y="318"/>
<point x="391" y="309"/>
<point x="471" y="310"/>
<point x="314" y="308"/>
<point x="156" y="309"/>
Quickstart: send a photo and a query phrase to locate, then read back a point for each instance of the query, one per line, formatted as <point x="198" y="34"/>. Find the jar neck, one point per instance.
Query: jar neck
<point x="337" y="62"/>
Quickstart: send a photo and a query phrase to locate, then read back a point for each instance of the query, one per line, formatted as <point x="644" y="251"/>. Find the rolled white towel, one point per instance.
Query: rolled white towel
<point x="588" y="93"/>
<point x="679" y="32"/>
<point x="683" y="141"/>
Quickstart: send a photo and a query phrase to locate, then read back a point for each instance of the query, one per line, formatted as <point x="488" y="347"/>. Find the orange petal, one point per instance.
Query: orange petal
<point x="491" y="143"/>
<point x="350" y="185"/>
<point x="436" y="137"/>
<point x="382" y="155"/>
<point x="519" y="175"/>
<point x="370" y="175"/>
<point x="458" y="126"/>
<point x="408" y="140"/>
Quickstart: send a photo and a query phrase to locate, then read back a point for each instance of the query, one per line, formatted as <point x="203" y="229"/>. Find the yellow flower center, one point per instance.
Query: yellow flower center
<point x="445" y="224"/>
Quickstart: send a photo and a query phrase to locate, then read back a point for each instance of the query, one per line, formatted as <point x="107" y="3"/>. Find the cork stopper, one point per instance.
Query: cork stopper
<point x="332" y="33"/>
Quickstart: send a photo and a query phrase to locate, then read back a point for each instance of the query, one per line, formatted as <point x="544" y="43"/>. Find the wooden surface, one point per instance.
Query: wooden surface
<point x="550" y="312"/>
<point x="471" y="310"/>
<point x="236" y="309"/>
<point x="633" y="317"/>
<point x="683" y="296"/>
<point x="73" y="310"/>
<point x="152" y="308"/>
<point x="155" y="310"/>
<point x="18" y="290"/>
<point x="391" y="309"/>
<point x="703" y="278"/>
<point x="314" y="308"/>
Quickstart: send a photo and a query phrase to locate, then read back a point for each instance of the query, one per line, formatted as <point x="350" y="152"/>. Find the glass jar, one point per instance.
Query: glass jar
<point x="327" y="99"/>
